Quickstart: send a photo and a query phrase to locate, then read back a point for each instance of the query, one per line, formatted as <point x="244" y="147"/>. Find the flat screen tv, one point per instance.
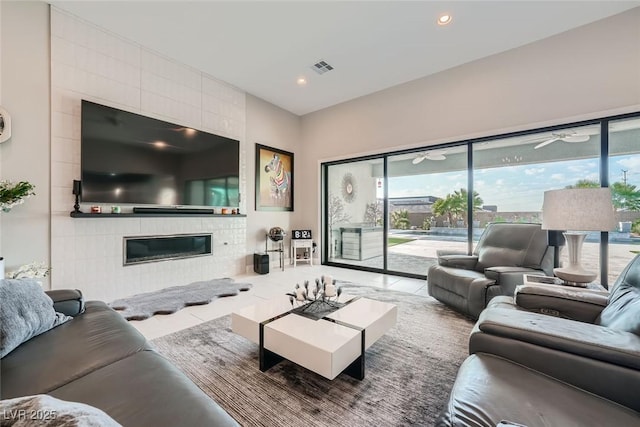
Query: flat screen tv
<point x="127" y="158"/>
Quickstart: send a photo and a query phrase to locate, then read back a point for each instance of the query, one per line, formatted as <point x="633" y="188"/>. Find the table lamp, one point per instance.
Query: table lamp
<point x="579" y="210"/>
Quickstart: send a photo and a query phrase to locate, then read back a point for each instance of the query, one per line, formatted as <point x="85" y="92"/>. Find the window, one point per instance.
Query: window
<point x="624" y="180"/>
<point x="417" y="201"/>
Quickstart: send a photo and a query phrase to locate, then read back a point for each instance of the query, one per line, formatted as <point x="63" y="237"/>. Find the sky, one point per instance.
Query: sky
<point x="516" y="188"/>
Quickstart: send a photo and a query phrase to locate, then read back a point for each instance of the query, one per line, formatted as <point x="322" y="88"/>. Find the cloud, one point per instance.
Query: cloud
<point x="583" y="167"/>
<point x="630" y="163"/>
<point x="533" y="171"/>
<point x="479" y="183"/>
<point x="558" y="177"/>
<point x="595" y="176"/>
<point x="414" y="192"/>
<point x="499" y="181"/>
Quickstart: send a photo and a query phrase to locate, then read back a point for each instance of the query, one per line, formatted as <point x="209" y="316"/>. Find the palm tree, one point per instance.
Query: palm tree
<point x="454" y="205"/>
<point x="625" y="196"/>
<point x="400" y="219"/>
<point x="441" y="207"/>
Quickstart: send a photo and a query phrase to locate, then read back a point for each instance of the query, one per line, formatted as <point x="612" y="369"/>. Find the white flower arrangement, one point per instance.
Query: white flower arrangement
<point x="32" y="271"/>
<point x="12" y="194"/>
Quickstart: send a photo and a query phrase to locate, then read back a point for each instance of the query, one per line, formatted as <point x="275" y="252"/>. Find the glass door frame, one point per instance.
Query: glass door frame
<point x="604" y="182"/>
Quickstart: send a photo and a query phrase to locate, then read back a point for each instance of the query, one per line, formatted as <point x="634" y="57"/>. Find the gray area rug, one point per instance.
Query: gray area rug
<point x="170" y="300"/>
<point x="409" y="371"/>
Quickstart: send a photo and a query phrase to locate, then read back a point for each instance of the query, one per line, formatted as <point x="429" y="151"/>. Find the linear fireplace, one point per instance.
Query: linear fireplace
<point x="141" y="249"/>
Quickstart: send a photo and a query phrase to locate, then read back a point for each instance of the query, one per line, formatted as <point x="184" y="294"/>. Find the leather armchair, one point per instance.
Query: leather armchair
<point x="607" y="347"/>
<point x="579" y="367"/>
<point x="503" y="254"/>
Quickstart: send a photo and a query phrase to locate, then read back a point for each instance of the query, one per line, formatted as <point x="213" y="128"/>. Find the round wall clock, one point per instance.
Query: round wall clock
<point x="5" y="125"/>
<point x="349" y="188"/>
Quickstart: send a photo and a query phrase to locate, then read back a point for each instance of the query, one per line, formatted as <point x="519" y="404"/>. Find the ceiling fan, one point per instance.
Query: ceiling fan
<point x="429" y="155"/>
<point x="571" y="136"/>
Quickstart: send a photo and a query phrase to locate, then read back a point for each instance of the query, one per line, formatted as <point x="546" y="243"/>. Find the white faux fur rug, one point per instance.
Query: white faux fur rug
<point x="170" y="300"/>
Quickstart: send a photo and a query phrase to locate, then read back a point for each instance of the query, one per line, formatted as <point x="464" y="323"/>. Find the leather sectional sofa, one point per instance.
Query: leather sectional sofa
<point x="100" y="360"/>
<point x="504" y="252"/>
<point x="577" y="367"/>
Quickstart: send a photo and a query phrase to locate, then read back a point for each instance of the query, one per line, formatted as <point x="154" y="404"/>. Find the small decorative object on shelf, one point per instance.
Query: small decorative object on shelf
<point x="12" y="194"/>
<point x="77" y="191"/>
<point x="32" y="270"/>
<point x="316" y="301"/>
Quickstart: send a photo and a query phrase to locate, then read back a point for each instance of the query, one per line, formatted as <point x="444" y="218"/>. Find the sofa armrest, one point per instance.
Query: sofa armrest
<point x="567" y="336"/>
<point x="509" y="277"/>
<point x="466" y="262"/>
<point x="67" y="301"/>
<point x="583" y="305"/>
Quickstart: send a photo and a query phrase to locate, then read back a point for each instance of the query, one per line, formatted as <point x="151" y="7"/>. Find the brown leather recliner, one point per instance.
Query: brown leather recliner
<point x="504" y="253"/>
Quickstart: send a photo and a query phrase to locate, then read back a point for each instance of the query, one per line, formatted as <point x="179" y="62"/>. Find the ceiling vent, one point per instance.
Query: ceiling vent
<point x="321" y="67"/>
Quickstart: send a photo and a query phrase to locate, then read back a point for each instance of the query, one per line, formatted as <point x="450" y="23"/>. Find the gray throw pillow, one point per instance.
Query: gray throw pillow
<point x="26" y="312"/>
<point x="46" y="411"/>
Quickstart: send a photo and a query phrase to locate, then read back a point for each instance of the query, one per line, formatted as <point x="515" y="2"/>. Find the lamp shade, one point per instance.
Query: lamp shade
<point x="578" y="209"/>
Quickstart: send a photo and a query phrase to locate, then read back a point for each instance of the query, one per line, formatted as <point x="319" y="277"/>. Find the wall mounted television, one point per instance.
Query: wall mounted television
<point x="127" y="158"/>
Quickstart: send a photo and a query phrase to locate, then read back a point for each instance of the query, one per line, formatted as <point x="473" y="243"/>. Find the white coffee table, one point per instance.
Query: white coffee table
<point x="333" y="344"/>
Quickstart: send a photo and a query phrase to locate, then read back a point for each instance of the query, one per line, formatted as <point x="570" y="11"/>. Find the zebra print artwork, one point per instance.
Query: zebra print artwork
<point x="274" y="179"/>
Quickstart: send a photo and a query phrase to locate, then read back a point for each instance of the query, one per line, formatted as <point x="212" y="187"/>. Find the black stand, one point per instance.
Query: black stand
<point x="76" y="207"/>
<point x="279" y="248"/>
<point x="77" y="190"/>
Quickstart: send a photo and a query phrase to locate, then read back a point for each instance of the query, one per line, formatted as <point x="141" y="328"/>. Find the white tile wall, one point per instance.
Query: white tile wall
<point x="90" y="63"/>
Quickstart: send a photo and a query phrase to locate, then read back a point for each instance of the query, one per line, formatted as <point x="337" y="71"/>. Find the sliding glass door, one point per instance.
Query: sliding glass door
<point x="393" y="212"/>
<point x="624" y="180"/>
<point x="511" y="175"/>
<point x="427" y="200"/>
<point x="354" y="220"/>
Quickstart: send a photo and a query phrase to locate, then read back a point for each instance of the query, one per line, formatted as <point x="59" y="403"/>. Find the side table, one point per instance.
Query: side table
<point x="307" y="246"/>
<point x="532" y="279"/>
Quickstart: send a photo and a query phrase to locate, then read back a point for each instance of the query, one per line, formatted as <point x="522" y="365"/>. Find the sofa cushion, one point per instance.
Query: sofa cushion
<point x="53" y="412"/>
<point x="90" y="341"/>
<point x="623" y="310"/>
<point x="485" y="393"/>
<point x="145" y="390"/>
<point x="26" y="312"/>
<point x="510" y="245"/>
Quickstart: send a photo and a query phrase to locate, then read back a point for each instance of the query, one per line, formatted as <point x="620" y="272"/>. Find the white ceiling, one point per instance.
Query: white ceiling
<point x="263" y="47"/>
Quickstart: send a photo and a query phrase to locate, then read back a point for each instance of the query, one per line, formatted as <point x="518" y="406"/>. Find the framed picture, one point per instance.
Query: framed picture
<point x="274" y="179"/>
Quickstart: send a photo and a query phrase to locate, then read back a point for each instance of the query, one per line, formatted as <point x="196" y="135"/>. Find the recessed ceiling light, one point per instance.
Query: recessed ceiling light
<point x="444" y="19"/>
<point x="301" y="81"/>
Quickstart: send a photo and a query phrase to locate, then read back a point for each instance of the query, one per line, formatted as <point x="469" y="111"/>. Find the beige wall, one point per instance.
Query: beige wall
<point x="25" y="94"/>
<point x="26" y="234"/>
<point x="274" y="127"/>
<point x="589" y="72"/>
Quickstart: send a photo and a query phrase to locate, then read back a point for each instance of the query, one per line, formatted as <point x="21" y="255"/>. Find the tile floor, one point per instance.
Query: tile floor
<point x="269" y="286"/>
